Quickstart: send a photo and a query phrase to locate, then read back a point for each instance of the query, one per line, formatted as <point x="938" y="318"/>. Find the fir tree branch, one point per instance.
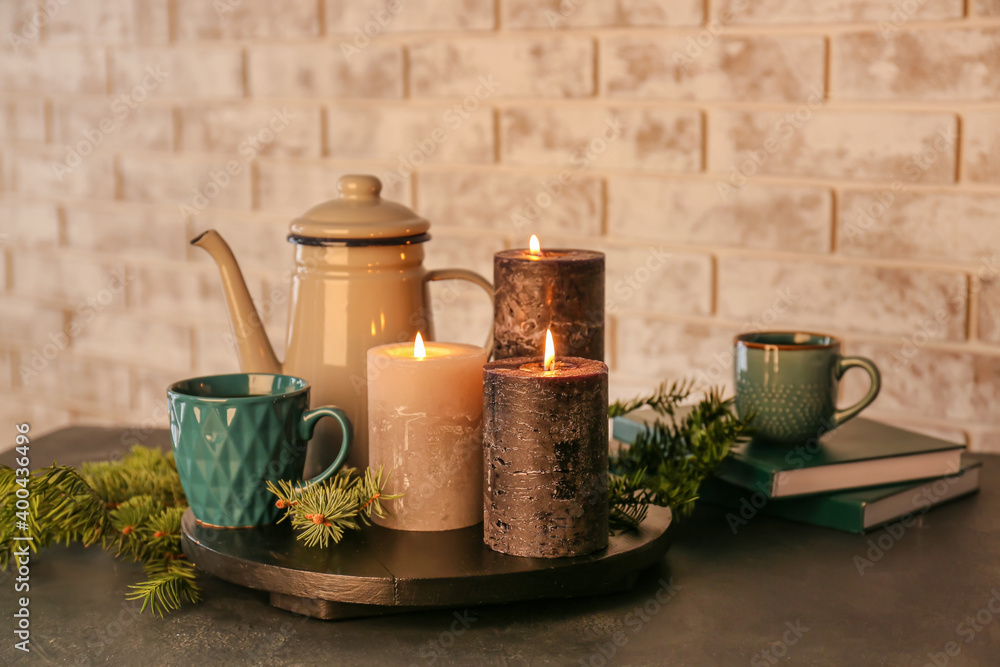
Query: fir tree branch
<point x="169" y="582"/>
<point x="629" y="499"/>
<point x="371" y="495"/>
<point x="62" y="508"/>
<point x="143" y="472"/>
<point x="132" y="507"/>
<point x="673" y="455"/>
<point x="665" y="399"/>
<point x="322" y="513"/>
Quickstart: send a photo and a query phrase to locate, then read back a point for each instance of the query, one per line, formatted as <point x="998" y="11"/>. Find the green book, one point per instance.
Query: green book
<point x="861" y="453"/>
<point x="855" y="511"/>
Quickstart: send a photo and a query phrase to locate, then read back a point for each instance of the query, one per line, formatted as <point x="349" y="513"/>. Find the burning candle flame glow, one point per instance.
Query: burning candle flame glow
<point x="418" y="348"/>
<point x="534" y="247"/>
<point x="550" y="352"/>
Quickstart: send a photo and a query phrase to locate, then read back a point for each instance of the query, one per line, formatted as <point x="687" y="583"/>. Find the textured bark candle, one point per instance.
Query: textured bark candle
<point x="545" y="448"/>
<point x="561" y="290"/>
<point x="425" y="429"/>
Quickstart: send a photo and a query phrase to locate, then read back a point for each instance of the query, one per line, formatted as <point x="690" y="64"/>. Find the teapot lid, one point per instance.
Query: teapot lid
<point x="359" y="217"/>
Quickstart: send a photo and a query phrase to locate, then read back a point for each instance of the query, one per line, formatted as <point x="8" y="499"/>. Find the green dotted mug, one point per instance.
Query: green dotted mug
<point x="789" y="380"/>
<point x="234" y="433"/>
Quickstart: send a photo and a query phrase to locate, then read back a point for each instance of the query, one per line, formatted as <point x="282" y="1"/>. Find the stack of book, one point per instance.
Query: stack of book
<point x="860" y="476"/>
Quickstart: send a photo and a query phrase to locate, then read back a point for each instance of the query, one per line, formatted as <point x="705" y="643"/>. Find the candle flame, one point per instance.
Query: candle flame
<point x="418" y="348"/>
<point x="550" y="352"/>
<point x="534" y="247"/>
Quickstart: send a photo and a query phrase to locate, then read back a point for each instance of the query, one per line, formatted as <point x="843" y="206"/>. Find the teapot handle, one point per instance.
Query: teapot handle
<point x="472" y="277"/>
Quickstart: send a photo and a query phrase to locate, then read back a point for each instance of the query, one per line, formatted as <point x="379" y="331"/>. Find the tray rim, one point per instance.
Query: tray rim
<point x="541" y="578"/>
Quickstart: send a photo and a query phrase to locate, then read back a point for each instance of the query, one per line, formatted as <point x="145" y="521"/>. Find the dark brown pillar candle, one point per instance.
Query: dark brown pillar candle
<point x="545" y="441"/>
<point x="561" y="290"/>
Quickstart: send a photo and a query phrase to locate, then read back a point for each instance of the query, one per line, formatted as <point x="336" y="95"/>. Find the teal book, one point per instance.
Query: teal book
<point x="861" y="453"/>
<point x="854" y="511"/>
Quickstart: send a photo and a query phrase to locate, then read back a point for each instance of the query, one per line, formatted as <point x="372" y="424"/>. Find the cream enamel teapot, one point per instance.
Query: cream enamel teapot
<point x="358" y="282"/>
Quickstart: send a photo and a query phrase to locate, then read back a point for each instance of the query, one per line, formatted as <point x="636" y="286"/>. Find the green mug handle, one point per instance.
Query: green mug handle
<point x="841" y="416"/>
<point x="308" y="424"/>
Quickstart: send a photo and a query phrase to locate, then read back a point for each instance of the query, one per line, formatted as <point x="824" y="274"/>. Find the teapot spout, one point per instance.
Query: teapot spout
<point x="254" y="348"/>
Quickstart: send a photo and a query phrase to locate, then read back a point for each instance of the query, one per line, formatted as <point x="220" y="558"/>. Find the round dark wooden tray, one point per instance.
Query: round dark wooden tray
<point x="380" y="571"/>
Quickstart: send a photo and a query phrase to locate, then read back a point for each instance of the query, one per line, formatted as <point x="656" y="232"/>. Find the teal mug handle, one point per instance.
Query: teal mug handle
<point x="841" y="416"/>
<point x="308" y="424"/>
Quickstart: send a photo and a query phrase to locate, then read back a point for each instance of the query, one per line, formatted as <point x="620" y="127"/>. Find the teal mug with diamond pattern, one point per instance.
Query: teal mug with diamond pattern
<point x="789" y="381"/>
<point x="233" y="433"/>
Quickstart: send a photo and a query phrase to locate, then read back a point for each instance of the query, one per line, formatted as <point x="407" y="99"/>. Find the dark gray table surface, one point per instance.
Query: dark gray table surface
<point x="772" y="593"/>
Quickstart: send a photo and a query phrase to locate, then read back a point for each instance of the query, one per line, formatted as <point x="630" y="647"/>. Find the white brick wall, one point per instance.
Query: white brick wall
<point x="833" y="165"/>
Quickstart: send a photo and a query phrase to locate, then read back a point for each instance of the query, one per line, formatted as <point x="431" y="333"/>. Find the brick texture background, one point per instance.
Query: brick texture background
<point x="745" y="164"/>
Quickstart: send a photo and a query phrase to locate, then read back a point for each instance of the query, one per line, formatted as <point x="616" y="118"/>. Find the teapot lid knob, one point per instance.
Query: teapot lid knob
<point x="359" y="217"/>
<point x="359" y="186"/>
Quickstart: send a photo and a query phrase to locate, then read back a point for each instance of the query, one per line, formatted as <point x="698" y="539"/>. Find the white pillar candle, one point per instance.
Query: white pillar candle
<point x="425" y="427"/>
